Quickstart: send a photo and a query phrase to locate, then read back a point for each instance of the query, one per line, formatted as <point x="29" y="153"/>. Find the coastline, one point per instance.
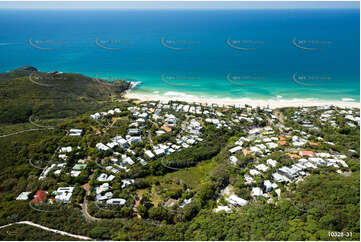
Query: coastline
<point x="276" y="103"/>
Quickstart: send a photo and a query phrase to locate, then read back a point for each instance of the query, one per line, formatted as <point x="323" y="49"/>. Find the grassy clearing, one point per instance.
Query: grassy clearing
<point x="192" y="177"/>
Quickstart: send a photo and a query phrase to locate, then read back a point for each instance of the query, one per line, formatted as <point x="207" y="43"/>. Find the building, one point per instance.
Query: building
<point x="122" y="142"/>
<point x="256" y="192"/>
<point x="102" y="147"/>
<point x="79" y="167"/>
<point x="116" y="201"/>
<point x="233" y="160"/>
<point x="75" y="132"/>
<point x="149" y="154"/>
<point x="63" y="194"/>
<point x="39" y="196"/>
<point x="262" y="167"/>
<point x="65" y="149"/>
<point x="95" y="116"/>
<point x="235" y="149"/>
<point x="234" y="200"/>
<point x="307" y="153"/>
<point x="23" y="196"/>
<point x="268" y="186"/>
<point x="271" y="162"/>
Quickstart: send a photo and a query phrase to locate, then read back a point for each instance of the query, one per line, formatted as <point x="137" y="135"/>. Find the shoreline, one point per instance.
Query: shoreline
<point x="278" y="103"/>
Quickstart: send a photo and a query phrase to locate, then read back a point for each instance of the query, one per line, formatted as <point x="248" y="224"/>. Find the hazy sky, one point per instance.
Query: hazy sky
<point x="176" y="5"/>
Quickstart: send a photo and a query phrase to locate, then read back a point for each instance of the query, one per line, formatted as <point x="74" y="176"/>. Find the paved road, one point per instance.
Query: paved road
<point x="48" y="229"/>
<point x="19" y="132"/>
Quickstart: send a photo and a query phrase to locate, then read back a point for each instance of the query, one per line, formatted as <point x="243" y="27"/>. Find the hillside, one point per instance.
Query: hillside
<point x="26" y="91"/>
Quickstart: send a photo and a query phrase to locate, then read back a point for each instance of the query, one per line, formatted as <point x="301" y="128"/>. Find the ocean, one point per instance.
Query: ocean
<point x="241" y="53"/>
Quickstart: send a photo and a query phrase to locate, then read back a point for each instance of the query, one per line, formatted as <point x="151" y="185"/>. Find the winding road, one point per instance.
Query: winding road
<point x="48" y="229"/>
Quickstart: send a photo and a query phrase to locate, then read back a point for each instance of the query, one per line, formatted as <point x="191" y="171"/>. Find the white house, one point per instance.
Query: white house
<point x="116" y="201"/>
<point x="235" y="149"/>
<point x="233" y="160"/>
<point x="63" y="194"/>
<point x="102" y="147"/>
<point x="23" y="196"/>
<point x="256" y="192"/>
<point x="75" y="132"/>
<point x="149" y="154"/>
<point x="262" y="167"/>
<point x="236" y="201"/>
<point x="271" y="162"/>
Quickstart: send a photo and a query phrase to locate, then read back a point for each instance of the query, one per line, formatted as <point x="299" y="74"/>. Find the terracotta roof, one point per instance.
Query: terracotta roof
<point x="307" y="153"/>
<point x="314" y="143"/>
<point x="165" y="128"/>
<point x="39" y="196"/>
<point x="282" y="142"/>
<point x="294" y="156"/>
<point x="282" y="138"/>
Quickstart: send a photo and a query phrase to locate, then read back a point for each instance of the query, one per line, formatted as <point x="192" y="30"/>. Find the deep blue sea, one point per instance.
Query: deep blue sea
<point x="241" y="53"/>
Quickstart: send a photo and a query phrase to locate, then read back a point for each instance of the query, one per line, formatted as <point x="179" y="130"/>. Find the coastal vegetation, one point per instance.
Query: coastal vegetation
<point x="324" y="201"/>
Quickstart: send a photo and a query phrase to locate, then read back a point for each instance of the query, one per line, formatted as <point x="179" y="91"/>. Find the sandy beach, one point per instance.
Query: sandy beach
<point x="276" y="103"/>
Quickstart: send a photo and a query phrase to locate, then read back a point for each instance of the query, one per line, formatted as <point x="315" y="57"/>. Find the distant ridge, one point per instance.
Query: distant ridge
<point x="25" y="91"/>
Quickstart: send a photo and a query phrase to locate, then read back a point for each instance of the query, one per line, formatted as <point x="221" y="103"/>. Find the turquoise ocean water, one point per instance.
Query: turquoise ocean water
<point x="240" y="53"/>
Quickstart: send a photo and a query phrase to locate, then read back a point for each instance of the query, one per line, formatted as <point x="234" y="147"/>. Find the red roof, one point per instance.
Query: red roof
<point x="166" y="128"/>
<point x="282" y="142"/>
<point x="282" y="138"/>
<point x="314" y="143"/>
<point x="307" y="153"/>
<point x="246" y="152"/>
<point x="293" y="156"/>
<point x="39" y="196"/>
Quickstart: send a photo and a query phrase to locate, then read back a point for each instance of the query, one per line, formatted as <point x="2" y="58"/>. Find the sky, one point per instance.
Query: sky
<point x="175" y="4"/>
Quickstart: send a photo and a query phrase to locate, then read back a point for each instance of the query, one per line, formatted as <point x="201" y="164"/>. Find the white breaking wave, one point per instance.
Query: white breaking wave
<point x="347" y="99"/>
